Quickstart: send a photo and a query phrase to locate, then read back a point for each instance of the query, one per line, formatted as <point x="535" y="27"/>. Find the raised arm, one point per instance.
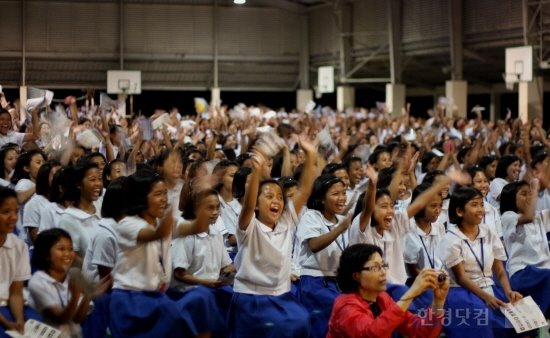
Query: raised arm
<point x="306" y="181"/>
<point x="150" y="233"/>
<point x="251" y="192"/>
<point x="370" y="198"/>
<point x="529" y="214"/>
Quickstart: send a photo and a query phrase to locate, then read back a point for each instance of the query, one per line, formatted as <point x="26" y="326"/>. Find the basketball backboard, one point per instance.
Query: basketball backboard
<point x="519" y="64"/>
<point x="124" y="82"/>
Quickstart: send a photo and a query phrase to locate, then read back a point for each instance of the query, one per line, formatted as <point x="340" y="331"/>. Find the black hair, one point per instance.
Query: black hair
<point x="385" y="177"/>
<point x="242" y="158"/>
<point x="190" y="208"/>
<point x="137" y="188"/>
<point x="350" y="160"/>
<point x="239" y="181"/>
<point x="88" y="157"/>
<point x="24" y="160"/>
<point x="485" y="160"/>
<point x="113" y="200"/>
<point x="375" y="155"/>
<point x="57" y="189"/>
<point x="508" y="201"/>
<point x="72" y="186"/>
<point x="219" y="170"/>
<point x="43" y="177"/>
<point x="3" y="153"/>
<point x="432" y="175"/>
<point x="474" y="170"/>
<point x="43" y="244"/>
<point x="539" y="157"/>
<point x="331" y="168"/>
<point x="320" y="187"/>
<point x="416" y="192"/>
<point x="107" y="171"/>
<point x="288" y="182"/>
<point x="352" y="260"/>
<point x="459" y="199"/>
<point x="6" y="193"/>
<point x="229" y="153"/>
<point x="503" y="164"/>
<point x="426" y="159"/>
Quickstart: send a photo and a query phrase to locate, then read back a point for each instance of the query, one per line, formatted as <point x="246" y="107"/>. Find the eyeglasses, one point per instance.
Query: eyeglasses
<point x="376" y="268"/>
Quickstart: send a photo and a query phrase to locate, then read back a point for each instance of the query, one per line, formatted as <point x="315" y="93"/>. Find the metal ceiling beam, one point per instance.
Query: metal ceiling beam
<point x="456" y="34"/>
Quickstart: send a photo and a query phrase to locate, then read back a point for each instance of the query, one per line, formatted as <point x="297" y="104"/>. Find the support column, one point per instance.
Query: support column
<point x="303" y="96"/>
<point x="215" y="98"/>
<point x="22" y="102"/>
<point x="344" y="17"/>
<point x="345" y="98"/>
<point x="457" y="91"/>
<point x="394" y="40"/>
<point x="395" y="98"/>
<point x="531" y="99"/>
<point x="455" y="20"/>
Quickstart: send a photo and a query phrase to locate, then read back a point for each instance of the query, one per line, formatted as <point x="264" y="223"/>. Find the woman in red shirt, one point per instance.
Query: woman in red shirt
<point x="366" y="310"/>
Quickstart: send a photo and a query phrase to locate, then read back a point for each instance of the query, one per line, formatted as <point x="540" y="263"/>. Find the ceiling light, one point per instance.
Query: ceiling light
<point x="239" y="2"/>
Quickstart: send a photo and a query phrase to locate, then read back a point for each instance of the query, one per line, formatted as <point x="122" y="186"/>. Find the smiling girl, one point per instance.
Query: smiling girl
<point x="81" y="219"/>
<point x="265" y="238"/>
<point x="472" y="254"/>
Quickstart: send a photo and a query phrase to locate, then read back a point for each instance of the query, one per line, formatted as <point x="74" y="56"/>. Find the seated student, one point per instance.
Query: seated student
<point x="63" y="302"/>
<point x="508" y="170"/>
<point x="366" y="310"/>
<point x="8" y="135"/>
<point x="491" y="218"/>
<point x="50" y="216"/>
<point x="200" y="259"/>
<point x="139" y="306"/>
<point x="15" y="268"/>
<point x="525" y="239"/>
<point x="262" y="305"/>
<point x="472" y="254"/>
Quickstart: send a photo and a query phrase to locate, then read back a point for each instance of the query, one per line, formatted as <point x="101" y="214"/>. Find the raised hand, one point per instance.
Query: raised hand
<point x="371" y="173"/>
<point x="460" y="177"/>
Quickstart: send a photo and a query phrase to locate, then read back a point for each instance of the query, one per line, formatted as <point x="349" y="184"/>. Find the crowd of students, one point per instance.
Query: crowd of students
<point x="244" y="222"/>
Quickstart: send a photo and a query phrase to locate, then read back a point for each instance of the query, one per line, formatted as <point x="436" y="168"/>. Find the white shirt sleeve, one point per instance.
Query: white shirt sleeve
<point x="411" y="250"/>
<point x="182" y="252"/>
<point x="75" y="229"/>
<point x="450" y="251"/>
<point x="43" y="294"/>
<point x="309" y="226"/>
<point x="104" y="253"/>
<point x="23" y="185"/>
<point x="128" y="230"/>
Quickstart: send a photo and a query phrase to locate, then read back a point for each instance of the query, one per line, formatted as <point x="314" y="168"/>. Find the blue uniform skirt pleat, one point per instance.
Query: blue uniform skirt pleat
<point x="317" y="295"/>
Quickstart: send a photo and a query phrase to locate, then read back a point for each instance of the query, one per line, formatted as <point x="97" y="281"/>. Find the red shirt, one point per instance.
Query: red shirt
<point x="352" y="317"/>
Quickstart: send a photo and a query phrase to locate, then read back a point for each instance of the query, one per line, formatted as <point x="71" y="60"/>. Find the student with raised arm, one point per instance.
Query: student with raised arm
<point x="322" y="236"/>
<point x="262" y="305"/>
<point x="387" y="227"/>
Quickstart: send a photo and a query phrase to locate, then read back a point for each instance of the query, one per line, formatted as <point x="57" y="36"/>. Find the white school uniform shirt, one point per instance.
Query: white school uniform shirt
<point x="32" y="210"/>
<point x="12" y="137"/>
<point x="173" y="196"/>
<point x="403" y="204"/>
<point x="420" y="248"/>
<point x="526" y="243"/>
<point x="202" y="255"/>
<point x="22" y="185"/>
<point x="491" y="219"/>
<point x="443" y="217"/>
<point x="82" y="227"/>
<point x="495" y="188"/>
<point x="229" y="213"/>
<point x="455" y="249"/>
<point x="102" y="249"/>
<point x="50" y="216"/>
<point x="45" y="293"/>
<point x="263" y="261"/>
<point x="324" y="262"/>
<point x="543" y="201"/>
<point x="14" y="265"/>
<point x="389" y="243"/>
<point x="140" y="266"/>
<point x="5" y="183"/>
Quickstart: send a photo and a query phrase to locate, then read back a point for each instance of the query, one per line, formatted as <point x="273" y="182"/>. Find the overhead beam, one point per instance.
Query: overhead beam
<point x="456" y="37"/>
<point x="394" y="39"/>
<point x="344" y="23"/>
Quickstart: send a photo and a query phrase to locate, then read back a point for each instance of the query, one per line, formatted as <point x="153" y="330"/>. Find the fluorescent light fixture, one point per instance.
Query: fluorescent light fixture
<point x="239" y="2"/>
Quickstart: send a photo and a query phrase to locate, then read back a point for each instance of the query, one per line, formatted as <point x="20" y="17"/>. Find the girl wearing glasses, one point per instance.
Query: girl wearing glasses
<point x="472" y="254"/>
<point x="366" y="310"/>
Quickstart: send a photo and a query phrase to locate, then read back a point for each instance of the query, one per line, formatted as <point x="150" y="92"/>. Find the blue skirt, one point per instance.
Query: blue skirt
<point x="466" y="315"/>
<point x="534" y="282"/>
<point x="317" y="295"/>
<point x="255" y="316"/>
<point x="28" y="313"/>
<point x="96" y="323"/>
<point x="154" y="314"/>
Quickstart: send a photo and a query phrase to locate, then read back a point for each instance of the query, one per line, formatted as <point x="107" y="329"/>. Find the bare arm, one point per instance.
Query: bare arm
<point x="150" y="233"/>
<point x="251" y="192"/>
<point x="369" y="200"/>
<point x="306" y="181"/>
<point x="318" y="243"/>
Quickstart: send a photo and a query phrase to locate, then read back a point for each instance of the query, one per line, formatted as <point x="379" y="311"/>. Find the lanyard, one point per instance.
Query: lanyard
<point x="481" y="262"/>
<point x="59" y="295"/>
<point x="343" y="245"/>
<point x="430" y="259"/>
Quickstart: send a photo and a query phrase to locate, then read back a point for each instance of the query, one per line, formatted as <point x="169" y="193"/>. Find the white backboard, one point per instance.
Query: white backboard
<point x="124" y="82"/>
<point x="325" y="79"/>
<point x="519" y="64"/>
